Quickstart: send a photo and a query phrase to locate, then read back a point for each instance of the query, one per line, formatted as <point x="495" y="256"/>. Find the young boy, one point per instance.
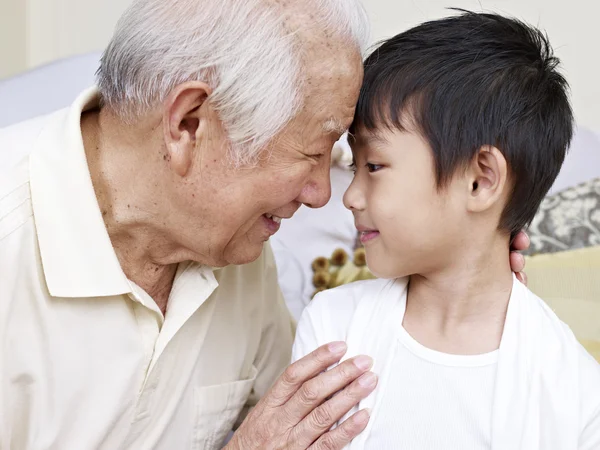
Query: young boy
<point x="460" y="130"/>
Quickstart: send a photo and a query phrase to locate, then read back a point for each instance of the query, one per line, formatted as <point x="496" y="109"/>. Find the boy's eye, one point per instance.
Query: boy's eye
<point x="352" y="166"/>
<point x="373" y="167"/>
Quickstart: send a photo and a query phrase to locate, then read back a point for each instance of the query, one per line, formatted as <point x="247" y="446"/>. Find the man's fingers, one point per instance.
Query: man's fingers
<point x="522" y="277"/>
<point x="315" y="391"/>
<point x="342" y="435"/>
<point x="302" y="370"/>
<point x="517" y="262"/>
<point x="521" y="241"/>
<point x="320" y="420"/>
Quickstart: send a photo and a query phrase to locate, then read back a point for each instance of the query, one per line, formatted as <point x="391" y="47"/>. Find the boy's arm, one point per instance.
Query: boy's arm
<point x="326" y="319"/>
<point x="590" y="438"/>
<point x="590" y="397"/>
<point x="306" y="336"/>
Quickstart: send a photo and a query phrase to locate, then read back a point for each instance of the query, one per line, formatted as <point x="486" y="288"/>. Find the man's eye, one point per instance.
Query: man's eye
<point x="373" y="167"/>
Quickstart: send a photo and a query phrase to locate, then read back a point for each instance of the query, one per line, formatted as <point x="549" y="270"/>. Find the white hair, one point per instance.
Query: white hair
<point x="242" y="49"/>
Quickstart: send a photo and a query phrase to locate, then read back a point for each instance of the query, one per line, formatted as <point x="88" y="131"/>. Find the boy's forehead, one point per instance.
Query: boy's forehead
<point x="363" y="139"/>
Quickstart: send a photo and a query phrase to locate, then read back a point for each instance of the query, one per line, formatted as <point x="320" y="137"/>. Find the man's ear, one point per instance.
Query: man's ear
<point x="488" y="179"/>
<point x="183" y="121"/>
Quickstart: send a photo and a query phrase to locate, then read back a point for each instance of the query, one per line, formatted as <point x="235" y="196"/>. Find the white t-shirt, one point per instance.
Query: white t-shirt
<point x="539" y="391"/>
<point x="435" y="400"/>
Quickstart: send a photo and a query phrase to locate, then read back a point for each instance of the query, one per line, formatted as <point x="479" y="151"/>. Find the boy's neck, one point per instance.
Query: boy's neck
<point x="462" y="308"/>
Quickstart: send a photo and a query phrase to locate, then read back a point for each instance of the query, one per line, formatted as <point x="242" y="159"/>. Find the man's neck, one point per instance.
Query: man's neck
<point x="462" y="308"/>
<point x="125" y="188"/>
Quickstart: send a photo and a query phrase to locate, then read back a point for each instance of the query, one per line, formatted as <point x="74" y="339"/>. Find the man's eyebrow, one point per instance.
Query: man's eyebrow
<point x="332" y="125"/>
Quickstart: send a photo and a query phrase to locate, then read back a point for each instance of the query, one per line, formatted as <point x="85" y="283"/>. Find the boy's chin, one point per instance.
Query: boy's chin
<point x="381" y="269"/>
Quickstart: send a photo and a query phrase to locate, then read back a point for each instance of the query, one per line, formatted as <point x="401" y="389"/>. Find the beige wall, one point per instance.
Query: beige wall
<point x="572" y="26"/>
<point x="13" y="38"/>
<point x="33" y="32"/>
<point x="60" y="28"/>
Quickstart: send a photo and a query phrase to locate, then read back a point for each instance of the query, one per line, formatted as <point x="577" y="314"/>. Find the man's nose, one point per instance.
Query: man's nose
<point x="317" y="191"/>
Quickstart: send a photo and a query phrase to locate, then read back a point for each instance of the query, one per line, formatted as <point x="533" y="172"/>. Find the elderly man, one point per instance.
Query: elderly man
<point x="139" y="306"/>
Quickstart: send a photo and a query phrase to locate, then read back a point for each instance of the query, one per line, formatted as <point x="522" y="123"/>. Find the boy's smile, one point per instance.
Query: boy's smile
<point x="406" y="224"/>
<point x="366" y="234"/>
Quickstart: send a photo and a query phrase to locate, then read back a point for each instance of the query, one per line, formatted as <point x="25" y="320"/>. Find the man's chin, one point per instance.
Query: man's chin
<point x="244" y="254"/>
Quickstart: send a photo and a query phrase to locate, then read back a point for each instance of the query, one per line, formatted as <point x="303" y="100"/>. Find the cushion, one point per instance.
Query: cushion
<point x="567" y="220"/>
<point x="47" y="88"/>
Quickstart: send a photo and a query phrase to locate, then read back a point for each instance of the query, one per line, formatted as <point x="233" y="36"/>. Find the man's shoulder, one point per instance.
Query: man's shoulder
<point x="17" y="141"/>
<point x="15" y="198"/>
<point x="257" y="279"/>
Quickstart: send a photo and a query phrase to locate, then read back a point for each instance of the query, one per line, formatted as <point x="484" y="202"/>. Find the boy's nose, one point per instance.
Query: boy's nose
<point x="354" y="199"/>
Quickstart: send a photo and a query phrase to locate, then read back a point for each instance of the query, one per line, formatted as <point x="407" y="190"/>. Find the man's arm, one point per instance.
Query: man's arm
<point x="298" y="409"/>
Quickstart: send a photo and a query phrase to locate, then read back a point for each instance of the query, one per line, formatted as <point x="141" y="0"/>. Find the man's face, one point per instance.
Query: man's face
<point x="235" y="210"/>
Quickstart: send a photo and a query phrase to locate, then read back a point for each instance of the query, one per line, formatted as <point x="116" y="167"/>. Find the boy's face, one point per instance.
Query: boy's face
<point x="407" y="225"/>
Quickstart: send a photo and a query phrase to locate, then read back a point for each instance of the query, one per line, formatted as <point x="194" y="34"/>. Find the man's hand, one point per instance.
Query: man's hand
<point x="299" y="410"/>
<point x="517" y="261"/>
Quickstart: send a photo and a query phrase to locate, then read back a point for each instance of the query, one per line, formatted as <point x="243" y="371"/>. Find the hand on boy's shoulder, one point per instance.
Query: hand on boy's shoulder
<point x="520" y="243"/>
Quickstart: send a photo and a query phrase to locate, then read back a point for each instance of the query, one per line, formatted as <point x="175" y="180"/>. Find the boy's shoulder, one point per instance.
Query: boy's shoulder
<point x="557" y="342"/>
<point x="552" y="326"/>
<point x="348" y="296"/>
<point x="331" y="314"/>
<point x="335" y="308"/>
<point x="557" y="337"/>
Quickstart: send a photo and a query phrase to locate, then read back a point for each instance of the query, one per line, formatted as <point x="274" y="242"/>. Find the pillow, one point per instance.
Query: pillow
<point x="567" y="220"/>
<point x="47" y="88"/>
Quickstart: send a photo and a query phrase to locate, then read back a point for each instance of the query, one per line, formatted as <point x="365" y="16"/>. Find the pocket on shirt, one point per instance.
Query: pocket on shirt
<point x="217" y="408"/>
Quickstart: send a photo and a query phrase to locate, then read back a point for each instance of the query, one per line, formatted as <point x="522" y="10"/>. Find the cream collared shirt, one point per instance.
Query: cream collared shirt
<point x="87" y="360"/>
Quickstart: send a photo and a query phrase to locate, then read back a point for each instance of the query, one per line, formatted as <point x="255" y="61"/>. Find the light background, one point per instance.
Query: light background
<point x="35" y="32"/>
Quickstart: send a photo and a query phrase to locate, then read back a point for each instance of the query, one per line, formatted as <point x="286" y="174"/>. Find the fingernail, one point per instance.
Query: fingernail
<point x="337" y="347"/>
<point x="362" y="416"/>
<point x="368" y="380"/>
<point x="363" y="362"/>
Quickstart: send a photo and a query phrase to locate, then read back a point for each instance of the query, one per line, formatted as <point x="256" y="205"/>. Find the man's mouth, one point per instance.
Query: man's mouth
<point x="273" y="218"/>
<point x="272" y="223"/>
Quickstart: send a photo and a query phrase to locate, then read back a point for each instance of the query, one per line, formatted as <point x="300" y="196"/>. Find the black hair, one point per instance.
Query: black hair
<point x="472" y="80"/>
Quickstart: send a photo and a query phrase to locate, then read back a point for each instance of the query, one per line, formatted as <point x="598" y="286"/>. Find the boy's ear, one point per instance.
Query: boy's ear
<point x="183" y="122"/>
<point x="488" y="178"/>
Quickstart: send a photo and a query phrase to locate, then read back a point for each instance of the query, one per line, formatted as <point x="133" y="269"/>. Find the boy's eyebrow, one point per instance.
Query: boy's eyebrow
<point x="367" y="140"/>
